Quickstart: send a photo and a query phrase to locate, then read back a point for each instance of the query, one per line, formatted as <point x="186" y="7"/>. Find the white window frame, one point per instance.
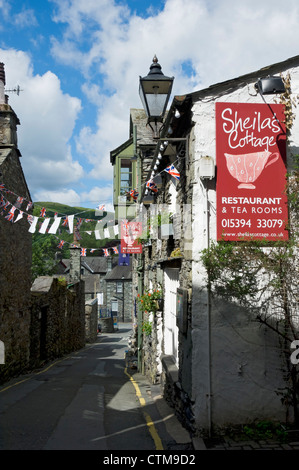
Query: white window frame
<point x="119" y="287"/>
<point x="171" y="331"/>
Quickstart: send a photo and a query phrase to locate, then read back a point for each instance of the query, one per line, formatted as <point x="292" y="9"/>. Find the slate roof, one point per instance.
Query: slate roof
<point x="138" y="117"/>
<point x="119" y="273"/>
<point x="91" y="284"/>
<point x="94" y="265"/>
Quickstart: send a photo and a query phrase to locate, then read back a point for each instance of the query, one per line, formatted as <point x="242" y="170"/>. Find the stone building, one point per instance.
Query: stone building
<point x="119" y="293"/>
<point x="15" y="246"/>
<point x="216" y="364"/>
<point x="93" y="269"/>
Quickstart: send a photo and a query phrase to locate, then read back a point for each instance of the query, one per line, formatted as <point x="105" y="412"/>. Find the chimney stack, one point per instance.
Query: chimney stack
<point x="3" y="97"/>
<point x="2" y="73"/>
<point x="2" y="83"/>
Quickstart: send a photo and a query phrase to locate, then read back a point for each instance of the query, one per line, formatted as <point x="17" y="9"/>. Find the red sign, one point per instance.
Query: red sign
<point x="251" y="172"/>
<point x="130" y="232"/>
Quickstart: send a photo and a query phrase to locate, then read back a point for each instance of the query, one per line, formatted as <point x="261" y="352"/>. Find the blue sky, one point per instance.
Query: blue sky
<point x="78" y="63"/>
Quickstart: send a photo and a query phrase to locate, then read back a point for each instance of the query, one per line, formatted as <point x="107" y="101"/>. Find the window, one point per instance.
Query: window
<point x="125" y="177"/>
<point x="119" y="287"/>
<point x="114" y="306"/>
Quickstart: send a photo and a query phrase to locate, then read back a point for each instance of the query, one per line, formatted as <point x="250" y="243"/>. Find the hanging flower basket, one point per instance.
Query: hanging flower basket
<point x="150" y="301"/>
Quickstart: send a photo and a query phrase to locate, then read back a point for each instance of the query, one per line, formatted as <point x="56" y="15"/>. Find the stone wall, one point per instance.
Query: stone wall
<point x="171" y="251"/>
<point x="58" y="319"/>
<point x="152" y="350"/>
<point x="91" y="320"/>
<point x="15" y="254"/>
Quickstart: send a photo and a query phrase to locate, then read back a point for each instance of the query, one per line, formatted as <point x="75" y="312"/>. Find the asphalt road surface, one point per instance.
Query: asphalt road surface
<point x="88" y="400"/>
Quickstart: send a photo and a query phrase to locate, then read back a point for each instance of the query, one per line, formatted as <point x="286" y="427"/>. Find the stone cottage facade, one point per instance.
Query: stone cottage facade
<point x="216" y="364"/>
<point x="119" y="293"/>
<point x="15" y="247"/>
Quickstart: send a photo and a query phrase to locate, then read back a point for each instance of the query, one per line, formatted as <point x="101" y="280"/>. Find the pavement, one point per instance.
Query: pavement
<point x="182" y="440"/>
<point x="263" y="444"/>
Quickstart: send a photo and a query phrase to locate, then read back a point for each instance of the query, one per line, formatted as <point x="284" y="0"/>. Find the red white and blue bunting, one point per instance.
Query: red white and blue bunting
<point x="50" y="225"/>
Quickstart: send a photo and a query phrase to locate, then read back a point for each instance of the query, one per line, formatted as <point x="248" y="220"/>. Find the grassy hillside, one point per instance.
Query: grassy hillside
<point x="63" y="209"/>
<point x="89" y="223"/>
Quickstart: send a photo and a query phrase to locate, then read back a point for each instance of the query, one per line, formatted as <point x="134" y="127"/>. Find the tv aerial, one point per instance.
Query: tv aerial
<point x="16" y="90"/>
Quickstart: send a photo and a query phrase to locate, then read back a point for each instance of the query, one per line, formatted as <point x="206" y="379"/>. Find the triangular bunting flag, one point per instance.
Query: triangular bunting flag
<point x="55" y="225"/>
<point x="171" y="170"/>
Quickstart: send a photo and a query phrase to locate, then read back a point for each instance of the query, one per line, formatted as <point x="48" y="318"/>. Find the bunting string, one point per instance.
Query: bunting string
<point x="9" y="211"/>
<point x="68" y="220"/>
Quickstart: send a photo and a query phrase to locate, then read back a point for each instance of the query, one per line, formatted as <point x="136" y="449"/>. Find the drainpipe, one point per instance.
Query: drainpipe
<point x="139" y="259"/>
<point x="207" y="172"/>
<point x="209" y="321"/>
<point x="139" y="314"/>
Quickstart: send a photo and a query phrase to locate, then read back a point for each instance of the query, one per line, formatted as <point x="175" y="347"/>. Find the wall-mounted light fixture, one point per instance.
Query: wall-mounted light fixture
<point x="154" y="91"/>
<point x="206" y="168"/>
<point x="270" y="85"/>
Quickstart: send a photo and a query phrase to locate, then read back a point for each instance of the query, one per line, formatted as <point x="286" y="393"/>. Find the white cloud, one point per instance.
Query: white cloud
<point x="98" y="195"/>
<point x="64" y="196"/>
<point x="25" y="18"/>
<point x="200" y="42"/>
<point x="47" y="117"/>
<point x="217" y="40"/>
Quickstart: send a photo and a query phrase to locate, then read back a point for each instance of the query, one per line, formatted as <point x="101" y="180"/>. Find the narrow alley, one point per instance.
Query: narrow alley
<point x="89" y="400"/>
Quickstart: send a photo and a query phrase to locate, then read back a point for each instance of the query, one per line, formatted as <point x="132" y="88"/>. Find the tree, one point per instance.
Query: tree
<point x="44" y="248"/>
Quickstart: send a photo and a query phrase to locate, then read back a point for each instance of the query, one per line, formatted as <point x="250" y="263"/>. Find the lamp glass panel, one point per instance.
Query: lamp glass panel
<point x="156" y="103"/>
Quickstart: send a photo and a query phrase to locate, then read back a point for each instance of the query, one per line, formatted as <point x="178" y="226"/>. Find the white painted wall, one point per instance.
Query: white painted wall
<point x="237" y="383"/>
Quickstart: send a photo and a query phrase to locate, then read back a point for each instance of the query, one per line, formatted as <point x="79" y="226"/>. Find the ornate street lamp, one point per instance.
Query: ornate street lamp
<point x="154" y="91"/>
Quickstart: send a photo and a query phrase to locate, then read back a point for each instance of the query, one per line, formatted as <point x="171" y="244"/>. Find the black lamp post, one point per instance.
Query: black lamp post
<point x="154" y="91"/>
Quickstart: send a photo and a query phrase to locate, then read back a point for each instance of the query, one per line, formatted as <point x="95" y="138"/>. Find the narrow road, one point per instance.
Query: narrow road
<point x="88" y="400"/>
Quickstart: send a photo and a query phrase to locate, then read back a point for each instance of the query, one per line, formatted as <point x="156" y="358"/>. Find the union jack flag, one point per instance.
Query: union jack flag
<point x="83" y="251"/>
<point x="106" y="251"/>
<point x="65" y="222"/>
<point x="134" y="194"/>
<point x="29" y="205"/>
<point x="77" y="234"/>
<point x="79" y="223"/>
<point x="115" y="250"/>
<point x="2" y="187"/>
<point x="42" y="212"/>
<point x="2" y="201"/>
<point x="19" y="202"/>
<point x="60" y="244"/>
<point x="92" y="250"/>
<point x="151" y="185"/>
<point x="101" y="207"/>
<point x="11" y="214"/>
<point x="173" y="171"/>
